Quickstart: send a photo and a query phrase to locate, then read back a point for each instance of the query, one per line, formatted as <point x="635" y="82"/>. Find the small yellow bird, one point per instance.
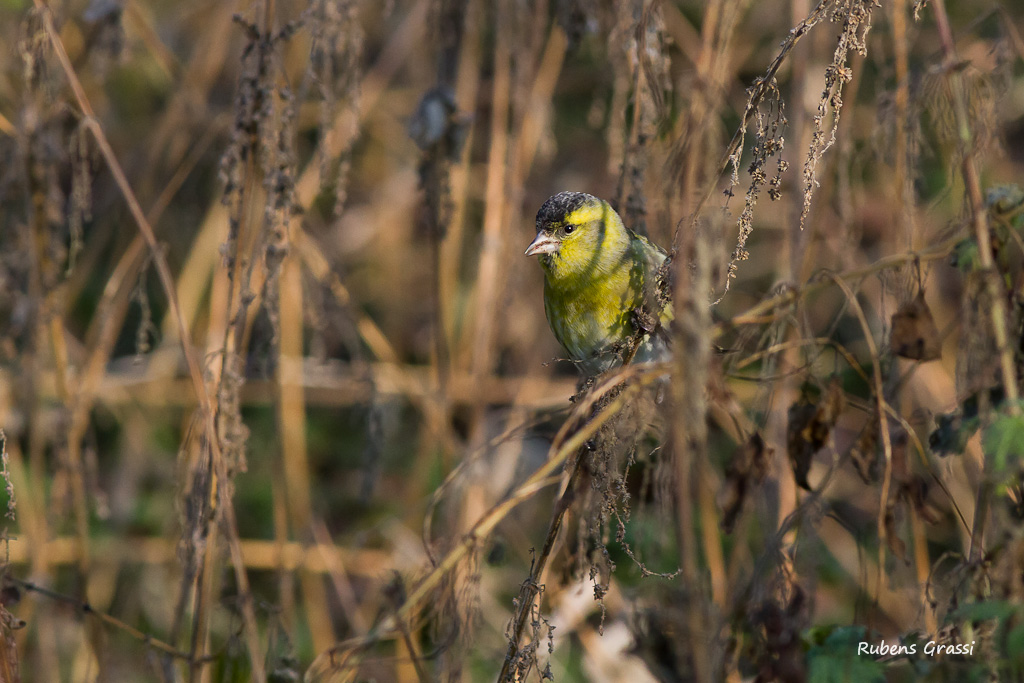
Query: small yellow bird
<point x="601" y="292"/>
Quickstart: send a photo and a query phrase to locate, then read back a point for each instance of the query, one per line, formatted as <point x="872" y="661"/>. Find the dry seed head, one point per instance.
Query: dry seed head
<point x="981" y="100"/>
<point x="80" y="209"/>
<point x="769" y="141"/>
<point x="334" y="69"/>
<point x="36" y="55"/>
<point x="855" y="16"/>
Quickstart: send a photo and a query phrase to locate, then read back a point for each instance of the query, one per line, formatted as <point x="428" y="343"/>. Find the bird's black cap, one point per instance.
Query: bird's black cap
<point x="557" y="207"/>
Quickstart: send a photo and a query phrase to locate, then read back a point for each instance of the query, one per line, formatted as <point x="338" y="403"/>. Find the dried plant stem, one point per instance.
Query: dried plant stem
<point x="903" y="173"/>
<point x="198" y="79"/>
<point x="285" y="578"/>
<point x="509" y="160"/>
<point x="51" y="324"/>
<point x="478" y="347"/>
<point x="467" y="85"/>
<point x="32" y="520"/>
<point x="164" y="57"/>
<point x="415" y="656"/>
<point x="167" y="282"/>
<point x="257" y="554"/>
<point x="717" y="32"/>
<point x="291" y="412"/>
<point x="532" y="586"/>
<point x="530" y="589"/>
<point x="922" y="565"/>
<point x="111" y="311"/>
<point x="338" y="571"/>
<point x="979" y="218"/>
<point x="883" y="423"/>
<point x="203" y="258"/>
<point x="794" y="251"/>
<point x="436" y="185"/>
<point x="316" y="262"/>
<point x="535" y="116"/>
<point x="761" y="313"/>
<point x="201" y="605"/>
<point x="979" y="214"/>
<point x="692" y="355"/>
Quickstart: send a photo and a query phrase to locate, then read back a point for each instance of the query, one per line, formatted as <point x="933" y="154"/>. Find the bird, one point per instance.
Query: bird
<point x="603" y="292"/>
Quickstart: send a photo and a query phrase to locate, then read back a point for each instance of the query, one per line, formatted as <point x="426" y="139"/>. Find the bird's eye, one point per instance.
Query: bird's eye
<point x="569" y="228"/>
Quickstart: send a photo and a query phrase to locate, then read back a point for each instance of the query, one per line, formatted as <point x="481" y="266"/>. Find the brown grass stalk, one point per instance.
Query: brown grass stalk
<point x="761" y="88"/>
<point x="292" y="425"/>
<point x="691" y="355"/>
<point x="106" y="619"/>
<point x="476" y="342"/>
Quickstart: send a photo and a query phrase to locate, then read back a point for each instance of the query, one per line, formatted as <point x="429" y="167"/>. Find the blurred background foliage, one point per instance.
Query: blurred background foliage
<point x="278" y="391"/>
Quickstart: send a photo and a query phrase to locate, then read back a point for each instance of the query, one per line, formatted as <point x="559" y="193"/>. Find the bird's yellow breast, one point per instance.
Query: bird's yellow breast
<point x="588" y="319"/>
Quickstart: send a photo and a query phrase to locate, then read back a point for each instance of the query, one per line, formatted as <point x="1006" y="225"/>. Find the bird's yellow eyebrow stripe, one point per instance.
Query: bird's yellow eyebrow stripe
<point x="586" y="214"/>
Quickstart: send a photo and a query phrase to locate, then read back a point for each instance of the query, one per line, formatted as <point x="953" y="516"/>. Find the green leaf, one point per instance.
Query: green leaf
<point x="965" y="256"/>
<point x="1015" y="643"/>
<point x="836" y="660"/>
<point x="985" y="610"/>
<point x="1003" y="442"/>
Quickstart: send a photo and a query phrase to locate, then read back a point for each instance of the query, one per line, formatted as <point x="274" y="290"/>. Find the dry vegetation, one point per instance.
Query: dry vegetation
<point x="279" y="400"/>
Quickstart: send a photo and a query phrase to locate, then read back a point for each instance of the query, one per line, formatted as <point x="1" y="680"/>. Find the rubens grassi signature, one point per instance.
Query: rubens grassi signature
<point x="931" y="648"/>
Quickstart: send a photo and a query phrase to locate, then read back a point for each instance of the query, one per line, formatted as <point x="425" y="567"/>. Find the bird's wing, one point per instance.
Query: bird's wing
<point x="652" y="256"/>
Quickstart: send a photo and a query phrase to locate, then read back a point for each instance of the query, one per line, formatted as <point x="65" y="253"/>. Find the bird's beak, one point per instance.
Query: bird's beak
<point x="542" y="244"/>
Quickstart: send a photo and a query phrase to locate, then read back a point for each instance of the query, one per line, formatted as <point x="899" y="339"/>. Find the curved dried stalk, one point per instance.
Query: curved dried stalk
<point x="569" y="440"/>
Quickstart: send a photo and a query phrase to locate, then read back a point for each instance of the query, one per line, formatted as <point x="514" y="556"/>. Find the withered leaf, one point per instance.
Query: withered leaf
<point x="749" y="465"/>
<point x="914" y="334"/>
<point x="865" y="452"/>
<point x="799" y="448"/>
<point x="916" y="491"/>
<point x="809" y="427"/>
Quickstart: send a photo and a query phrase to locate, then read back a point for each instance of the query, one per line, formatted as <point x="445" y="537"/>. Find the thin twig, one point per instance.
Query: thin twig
<point x="979" y="220"/>
<point x="107" y="619"/>
<point x="531" y="587"/>
<point x="883" y="421"/>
